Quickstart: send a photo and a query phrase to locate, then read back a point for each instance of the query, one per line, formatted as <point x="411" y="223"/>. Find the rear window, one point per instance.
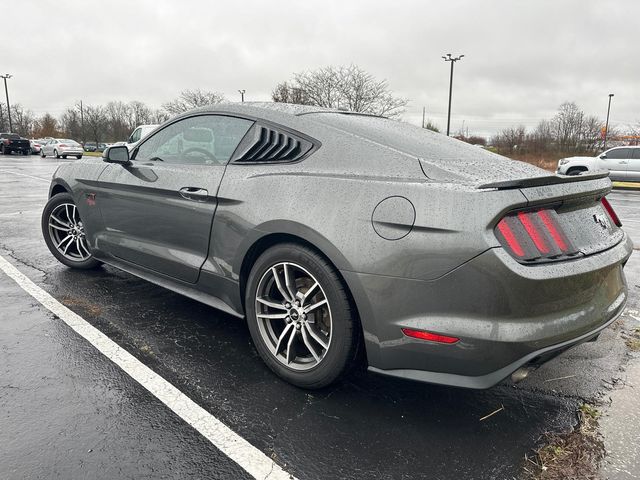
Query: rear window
<point x="12" y="136"/>
<point x="66" y="140"/>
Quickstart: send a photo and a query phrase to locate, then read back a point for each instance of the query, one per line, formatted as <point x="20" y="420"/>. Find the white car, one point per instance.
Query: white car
<point x="138" y="134"/>
<point x="622" y="163"/>
<point x="62" y="147"/>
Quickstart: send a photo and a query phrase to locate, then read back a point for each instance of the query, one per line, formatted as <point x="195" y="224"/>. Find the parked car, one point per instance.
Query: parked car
<point x="622" y="163"/>
<point x="330" y="230"/>
<point x="139" y="133"/>
<point x="90" y="147"/>
<point x="62" y="147"/>
<point x="12" y="142"/>
<point x="36" y="146"/>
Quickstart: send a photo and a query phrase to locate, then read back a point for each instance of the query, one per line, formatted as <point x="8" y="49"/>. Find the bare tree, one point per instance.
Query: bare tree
<point x="342" y="87"/>
<point x="23" y="120"/>
<point x="95" y="120"/>
<point x="47" y="126"/>
<point x="190" y="99"/>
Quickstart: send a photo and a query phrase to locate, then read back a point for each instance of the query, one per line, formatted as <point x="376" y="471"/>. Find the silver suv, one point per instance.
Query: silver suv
<point x="622" y="163"/>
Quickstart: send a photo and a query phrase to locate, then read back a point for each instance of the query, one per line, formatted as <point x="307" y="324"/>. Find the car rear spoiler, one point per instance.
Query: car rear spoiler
<point x="540" y="181"/>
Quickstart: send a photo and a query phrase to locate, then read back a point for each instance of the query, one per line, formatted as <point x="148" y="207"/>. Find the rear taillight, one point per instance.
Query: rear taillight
<point x="62" y="145"/>
<point x="534" y="235"/>
<point x="614" y="216"/>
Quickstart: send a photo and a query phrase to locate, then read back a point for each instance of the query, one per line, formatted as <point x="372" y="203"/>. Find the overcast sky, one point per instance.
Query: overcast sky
<point x="522" y="58"/>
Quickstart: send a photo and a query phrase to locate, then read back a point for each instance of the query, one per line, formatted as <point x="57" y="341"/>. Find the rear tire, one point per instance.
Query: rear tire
<point x="63" y="233"/>
<point x="42" y="154"/>
<point x="78" y="157"/>
<point x="55" y="154"/>
<point x="285" y="332"/>
<point x="64" y="156"/>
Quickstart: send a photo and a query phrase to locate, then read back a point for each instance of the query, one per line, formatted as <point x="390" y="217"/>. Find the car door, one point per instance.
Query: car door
<point x="616" y="161"/>
<point x="158" y="211"/>
<point x="49" y="147"/>
<point x="633" y="168"/>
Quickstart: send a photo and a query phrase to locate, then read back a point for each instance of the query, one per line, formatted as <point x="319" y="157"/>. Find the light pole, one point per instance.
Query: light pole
<point x="606" y="126"/>
<point x="453" y="60"/>
<point x="6" y="91"/>
<point x="241" y="92"/>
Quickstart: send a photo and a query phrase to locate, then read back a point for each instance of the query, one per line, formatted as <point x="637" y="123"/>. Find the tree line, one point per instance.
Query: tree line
<point x="113" y="121"/>
<point x="341" y="87"/>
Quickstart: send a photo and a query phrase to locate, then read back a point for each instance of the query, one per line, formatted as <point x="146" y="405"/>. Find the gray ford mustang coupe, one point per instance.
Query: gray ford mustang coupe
<point x="331" y="230"/>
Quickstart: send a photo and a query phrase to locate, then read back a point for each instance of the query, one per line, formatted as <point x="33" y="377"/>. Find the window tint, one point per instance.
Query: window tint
<point x="635" y="153"/>
<point x="205" y="139"/>
<point x="618" y="153"/>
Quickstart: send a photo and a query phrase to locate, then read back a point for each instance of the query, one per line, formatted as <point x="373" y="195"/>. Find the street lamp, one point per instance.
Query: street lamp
<point x="241" y="92"/>
<point x="6" y="91"/>
<point x="606" y="126"/>
<point x="453" y="60"/>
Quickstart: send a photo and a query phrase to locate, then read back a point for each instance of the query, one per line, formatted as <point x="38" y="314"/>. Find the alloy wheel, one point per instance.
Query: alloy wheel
<point x="67" y="232"/>
<point x="294" y="316"/>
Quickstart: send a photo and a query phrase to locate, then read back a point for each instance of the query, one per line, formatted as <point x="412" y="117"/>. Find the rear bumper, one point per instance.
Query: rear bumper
<point x="71" y="152"/>
<point x="506" y="315"/>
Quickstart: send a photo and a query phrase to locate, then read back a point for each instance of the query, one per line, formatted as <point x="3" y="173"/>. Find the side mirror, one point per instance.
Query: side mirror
<point x="117" y="154"/>
<point x="603" y="156"/>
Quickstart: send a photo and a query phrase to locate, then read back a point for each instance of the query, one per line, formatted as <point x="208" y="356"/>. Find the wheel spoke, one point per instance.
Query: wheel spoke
<point x="66" y="210"/>
<point x="64" y="240"/>
<point x="315" y="305"/>
<point x="283" y="292"/>
<point x="306" y="341"/>
<point x="273" y="316"/>
<point x="58" y="228"/>
<point x="82" y="244"/>
<point x="282" y="336"/>
<point x="290" y="344"/>
<point x="269" y="303"/>
<point x="290" y="285"/>
<point x="308" y="292"/>
<point x="64" y="224"/>
<point x="317" y="338"/>
<point x="66" y="247"/>
<point x="75" y="211"/>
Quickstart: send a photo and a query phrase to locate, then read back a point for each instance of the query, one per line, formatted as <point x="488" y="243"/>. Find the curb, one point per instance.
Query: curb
<point x="626" y="185"/>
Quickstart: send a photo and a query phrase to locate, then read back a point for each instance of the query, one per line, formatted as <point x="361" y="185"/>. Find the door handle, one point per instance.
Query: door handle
<point x="194" y="193"/>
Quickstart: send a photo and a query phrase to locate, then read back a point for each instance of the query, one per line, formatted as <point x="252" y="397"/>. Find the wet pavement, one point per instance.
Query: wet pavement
<point x="67" y="412"/>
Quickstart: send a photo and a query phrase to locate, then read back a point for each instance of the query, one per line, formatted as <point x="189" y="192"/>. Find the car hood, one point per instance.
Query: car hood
<point x="580" y="159"/>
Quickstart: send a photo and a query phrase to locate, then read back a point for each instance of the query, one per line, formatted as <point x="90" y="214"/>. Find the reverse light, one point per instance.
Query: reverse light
<point x="431" y="337"/>
<point x="614" y="216"/>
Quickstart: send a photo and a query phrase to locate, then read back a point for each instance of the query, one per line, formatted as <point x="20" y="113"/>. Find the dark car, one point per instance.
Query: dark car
<point x="12" y="142"/>
<point x="90" y="147"/>
<point x="330" y="231"/>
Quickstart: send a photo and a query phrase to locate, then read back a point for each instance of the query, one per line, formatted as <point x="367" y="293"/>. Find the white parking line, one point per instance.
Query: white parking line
<point x="25" y="175"/>
<point x="252" y="460"/>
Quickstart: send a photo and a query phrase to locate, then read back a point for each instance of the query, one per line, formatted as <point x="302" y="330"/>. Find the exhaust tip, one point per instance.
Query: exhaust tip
<point x="520" y="374"/>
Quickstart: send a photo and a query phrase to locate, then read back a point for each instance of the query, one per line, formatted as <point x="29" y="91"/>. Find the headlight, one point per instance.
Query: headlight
<point x="564" y="161"/>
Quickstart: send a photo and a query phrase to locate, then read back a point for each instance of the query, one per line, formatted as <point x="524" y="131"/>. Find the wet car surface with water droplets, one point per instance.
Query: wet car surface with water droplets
<point x="334" y="232"/>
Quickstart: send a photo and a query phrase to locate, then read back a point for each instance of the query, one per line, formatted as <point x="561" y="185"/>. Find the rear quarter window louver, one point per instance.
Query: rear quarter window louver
<point x="266" y="144"/>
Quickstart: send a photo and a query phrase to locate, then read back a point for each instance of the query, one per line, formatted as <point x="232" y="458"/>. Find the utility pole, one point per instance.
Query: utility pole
<point x="6" y="91"/>
<point x="82" y="122"/>
<point x="449" y="58"/>
<point x="241" y="92"/>
<point x="606" y="127"/>
<point x="423" y="112"/>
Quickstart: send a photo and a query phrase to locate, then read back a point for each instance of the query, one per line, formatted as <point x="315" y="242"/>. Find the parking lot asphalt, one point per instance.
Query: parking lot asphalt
<point x="66" y="411"/>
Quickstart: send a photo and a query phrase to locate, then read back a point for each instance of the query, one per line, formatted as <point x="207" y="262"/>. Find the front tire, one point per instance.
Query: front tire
<point x="63" y="232"/>
<point x="300" y="316"/>
<point x="78" y="157"/>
